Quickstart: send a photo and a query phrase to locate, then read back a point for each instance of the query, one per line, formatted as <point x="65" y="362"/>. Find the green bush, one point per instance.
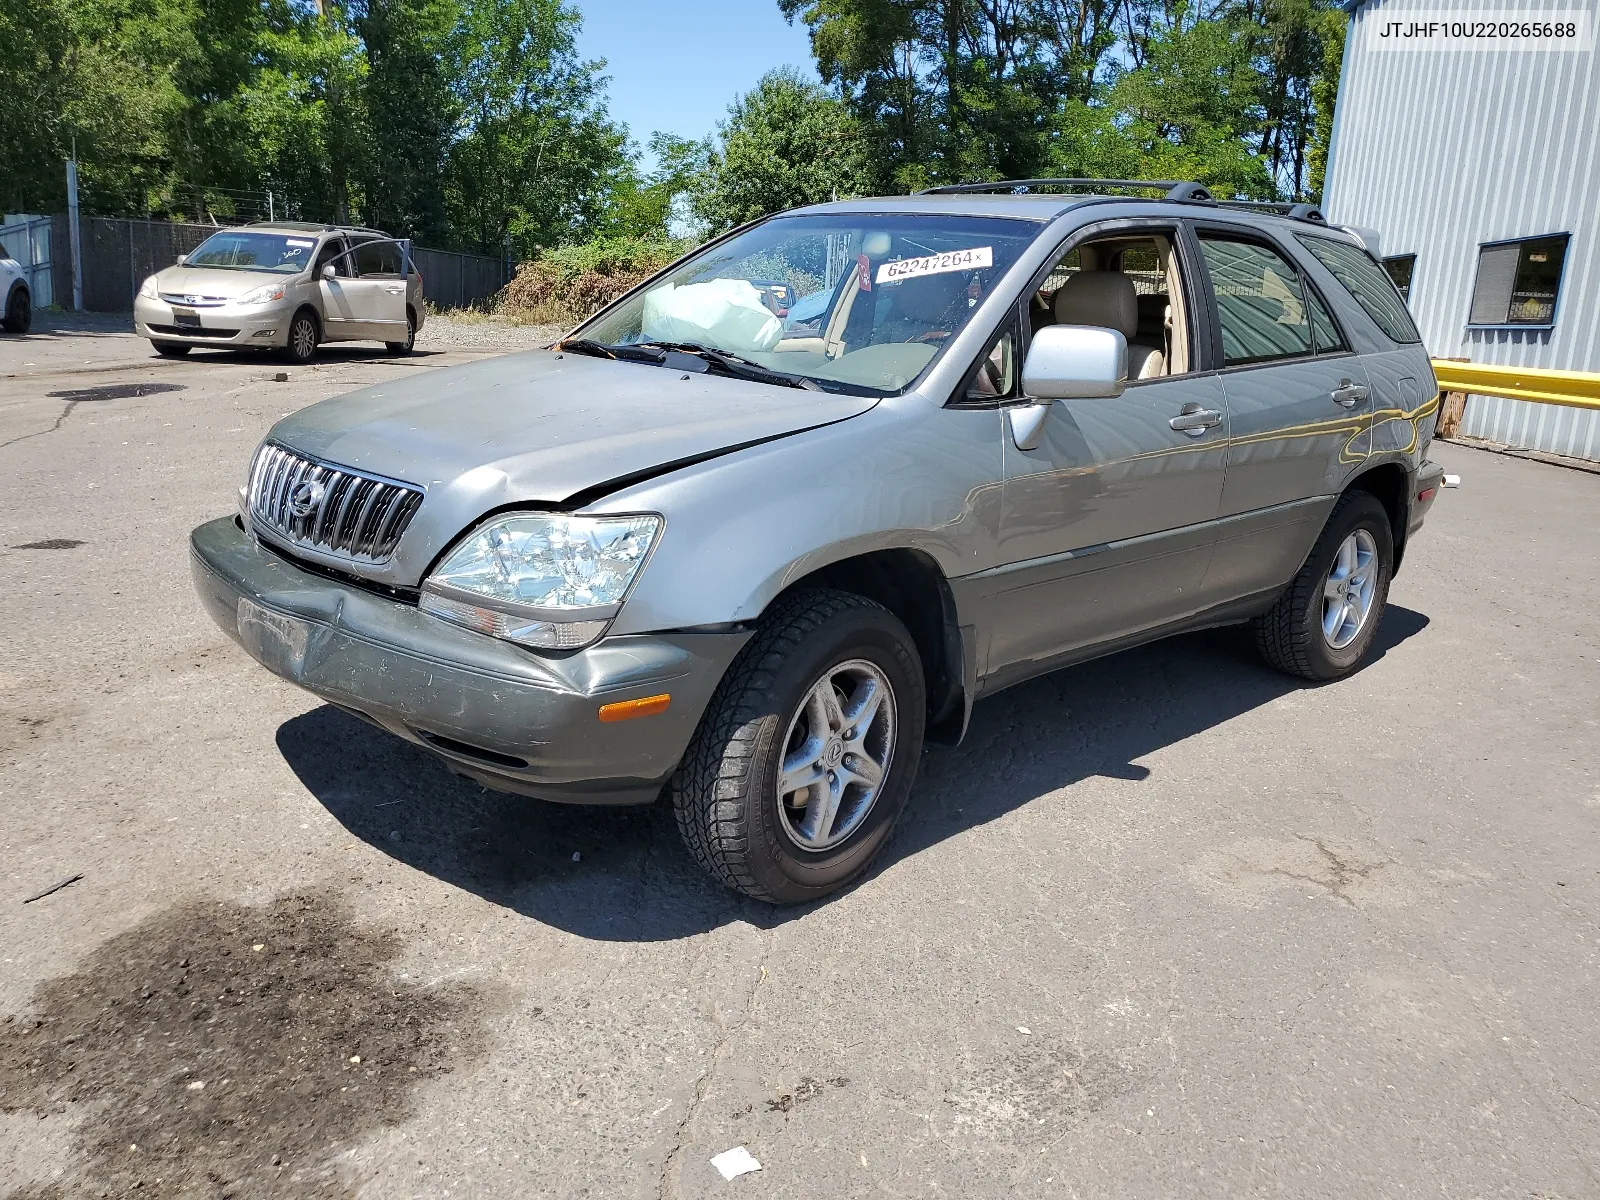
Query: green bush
<point x="568" y="283"/>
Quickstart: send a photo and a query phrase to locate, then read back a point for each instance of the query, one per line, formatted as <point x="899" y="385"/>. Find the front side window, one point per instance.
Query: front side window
<point x="380" y="258"/>
<point x="848" y="302"/>
<point x="240" y="250"/>
<point x="1518" y="282"/>
<point x="1367" y="282"/>
<point x="1260" y="307"/>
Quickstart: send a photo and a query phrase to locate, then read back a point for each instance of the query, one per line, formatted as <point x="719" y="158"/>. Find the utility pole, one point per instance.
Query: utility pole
<point x="72" y="229"/>
<point x="271" y="215"/>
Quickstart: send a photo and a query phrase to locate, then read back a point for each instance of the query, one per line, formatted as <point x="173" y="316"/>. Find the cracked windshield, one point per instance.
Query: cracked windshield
<point x="845" y="303"/>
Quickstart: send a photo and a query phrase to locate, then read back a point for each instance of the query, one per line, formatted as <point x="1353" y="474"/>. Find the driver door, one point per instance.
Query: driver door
<point x="1109" y="520"/>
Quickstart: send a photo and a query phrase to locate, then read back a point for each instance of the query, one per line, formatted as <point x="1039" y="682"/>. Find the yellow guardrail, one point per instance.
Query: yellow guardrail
<point x="1575" y="389"/>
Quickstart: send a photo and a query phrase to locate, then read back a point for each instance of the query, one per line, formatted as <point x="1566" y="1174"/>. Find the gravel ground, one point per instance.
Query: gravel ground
<point x="442" y="331"/>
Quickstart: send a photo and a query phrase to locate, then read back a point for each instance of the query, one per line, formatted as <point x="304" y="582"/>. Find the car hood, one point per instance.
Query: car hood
<point x="214" y="282"/>
<point x="547" y="427"/>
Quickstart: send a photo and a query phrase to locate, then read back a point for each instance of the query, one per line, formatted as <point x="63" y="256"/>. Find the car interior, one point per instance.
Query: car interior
<point x="1121" y="283"/>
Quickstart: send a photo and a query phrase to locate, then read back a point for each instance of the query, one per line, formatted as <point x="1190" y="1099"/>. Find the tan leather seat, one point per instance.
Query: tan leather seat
<point x="1108" y="299"/>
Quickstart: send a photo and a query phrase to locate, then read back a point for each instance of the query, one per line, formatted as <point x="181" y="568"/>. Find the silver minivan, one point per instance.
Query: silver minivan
<point x="285" y="285"/>
<point x="748" y="546"/>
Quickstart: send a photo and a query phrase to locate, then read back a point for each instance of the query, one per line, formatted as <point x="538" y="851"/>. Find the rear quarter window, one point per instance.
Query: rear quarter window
<point x="1368" y="283"/>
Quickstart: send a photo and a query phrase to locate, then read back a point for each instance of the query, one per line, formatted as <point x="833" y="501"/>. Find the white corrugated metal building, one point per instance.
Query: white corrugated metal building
<point x="1480" y="170"/>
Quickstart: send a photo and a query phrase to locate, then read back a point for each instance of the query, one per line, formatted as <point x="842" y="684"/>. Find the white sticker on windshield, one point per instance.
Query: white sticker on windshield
<point x="300" y="242"/>
<point x="936" y="264"/>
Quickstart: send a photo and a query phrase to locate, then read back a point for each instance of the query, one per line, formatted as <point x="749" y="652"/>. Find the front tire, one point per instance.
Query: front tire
<point x="807" y="753"/>
<point x="1323" y="625"/>
<point x="410" y="343"/>
<point x="303" y="338"/>
<point x="19" y="311"/>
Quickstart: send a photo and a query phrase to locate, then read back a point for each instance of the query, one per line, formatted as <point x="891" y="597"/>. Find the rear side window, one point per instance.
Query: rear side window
<point x="1260" y="307"/>
<point x="3" y="253"/>
<point x="1329" y="339"/>
<point x="1369" y="283"/>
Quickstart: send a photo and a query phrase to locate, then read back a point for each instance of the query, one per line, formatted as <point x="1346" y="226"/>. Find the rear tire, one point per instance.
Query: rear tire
<point x="1323" y="625"/>
<point x="726" y="793"/>
<point x="409" y="344"/>
<point x="19" y="311"/>
<point x="171" y="349"/>
<point x="303" y="338"/>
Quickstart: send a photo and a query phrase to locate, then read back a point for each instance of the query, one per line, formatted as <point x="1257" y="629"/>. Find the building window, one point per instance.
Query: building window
<point x="1518" y="281"/>
<point x="1400" y="267"/>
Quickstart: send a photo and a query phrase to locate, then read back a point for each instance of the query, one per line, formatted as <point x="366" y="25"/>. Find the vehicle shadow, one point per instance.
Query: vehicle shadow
<point x="621" y="874"/>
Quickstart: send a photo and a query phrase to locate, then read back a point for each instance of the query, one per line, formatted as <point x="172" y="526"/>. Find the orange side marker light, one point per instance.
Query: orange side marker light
<point x="626" y="710"/>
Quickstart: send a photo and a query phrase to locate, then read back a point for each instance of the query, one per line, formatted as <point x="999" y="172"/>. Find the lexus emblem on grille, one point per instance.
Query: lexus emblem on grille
<point x="305" y="497"/>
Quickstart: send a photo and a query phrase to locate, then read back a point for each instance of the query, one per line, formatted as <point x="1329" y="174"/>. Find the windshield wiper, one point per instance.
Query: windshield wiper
<point x="741" y="368"/>
<point x="604" y="350"/>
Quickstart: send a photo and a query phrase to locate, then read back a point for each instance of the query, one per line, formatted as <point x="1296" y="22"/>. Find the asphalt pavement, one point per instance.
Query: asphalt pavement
<point x="1167" y="925"/>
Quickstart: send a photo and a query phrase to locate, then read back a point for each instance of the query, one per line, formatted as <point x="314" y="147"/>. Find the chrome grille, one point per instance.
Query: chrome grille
<point x="345" y="512"/>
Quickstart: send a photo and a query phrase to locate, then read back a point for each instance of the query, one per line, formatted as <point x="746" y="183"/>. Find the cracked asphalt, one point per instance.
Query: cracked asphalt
<point x="1168" y="924"/>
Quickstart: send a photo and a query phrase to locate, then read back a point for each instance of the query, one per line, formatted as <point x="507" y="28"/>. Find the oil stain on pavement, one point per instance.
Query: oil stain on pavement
<point x="218" y="1050"/>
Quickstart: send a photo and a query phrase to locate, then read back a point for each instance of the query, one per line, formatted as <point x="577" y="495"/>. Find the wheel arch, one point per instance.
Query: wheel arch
<point x="1390" y="483"/>
<point x="910" y="584"/>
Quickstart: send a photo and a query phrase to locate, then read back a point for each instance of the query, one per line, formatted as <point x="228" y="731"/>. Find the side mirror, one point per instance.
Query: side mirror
<point x="1074" y="362"/>
<point x="1067" y="362"/>
<point x="182" y="258"/>
<point x="329" y="273"/>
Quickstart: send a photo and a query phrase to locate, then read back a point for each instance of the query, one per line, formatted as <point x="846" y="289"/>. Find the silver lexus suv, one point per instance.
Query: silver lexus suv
<point x="284" y="285"/>
<point x="749" y="545"/>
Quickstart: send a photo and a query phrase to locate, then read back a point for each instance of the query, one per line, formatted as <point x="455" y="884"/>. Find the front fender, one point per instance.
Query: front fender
<point x="743" y="527"/>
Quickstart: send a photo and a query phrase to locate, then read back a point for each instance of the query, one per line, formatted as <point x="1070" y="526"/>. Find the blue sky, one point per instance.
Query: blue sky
<point x="677" y="66"/>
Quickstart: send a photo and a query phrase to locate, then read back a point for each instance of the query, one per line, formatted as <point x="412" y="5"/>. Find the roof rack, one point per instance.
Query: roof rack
<point x="1175" y="189"/>
<point x="1186" y="192"/>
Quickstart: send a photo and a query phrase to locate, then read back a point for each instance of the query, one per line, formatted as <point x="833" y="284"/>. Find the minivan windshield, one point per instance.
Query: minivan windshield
<point x="848" y="301"/>
<point x="242" y="250"/>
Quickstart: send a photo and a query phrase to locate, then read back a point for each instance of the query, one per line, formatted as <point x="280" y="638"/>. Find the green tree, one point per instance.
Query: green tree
<point x="787" y="142"/>
<point x="539" y="157"/>
<point x="35" y="36"/>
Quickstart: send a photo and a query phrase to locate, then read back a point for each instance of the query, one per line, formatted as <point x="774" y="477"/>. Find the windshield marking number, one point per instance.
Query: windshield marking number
<point x="937" y="264"/>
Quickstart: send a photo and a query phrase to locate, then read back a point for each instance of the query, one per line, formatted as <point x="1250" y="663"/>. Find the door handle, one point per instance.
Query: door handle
<point x="394" y="291"/>
<point x="1194" y="420"/>
<point x="1350" y="394"/>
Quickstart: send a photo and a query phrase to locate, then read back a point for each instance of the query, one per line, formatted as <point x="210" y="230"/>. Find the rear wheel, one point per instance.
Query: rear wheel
<point x="303" y="337"/>
<point x="409" y="344"/>
<point x="171" y="349"/>
<point x="1323" y="625"/>
<point x="19" y="311"/>
<point x="807" y="753"/>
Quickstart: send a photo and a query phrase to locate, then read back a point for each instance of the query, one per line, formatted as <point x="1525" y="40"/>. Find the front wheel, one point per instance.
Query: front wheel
<point x="410" y="343"/>
<point x="1324" y="623"/>
<point x="302" y="344"/>
<point x="806" y="755"/>
<point x="19" y="311"/>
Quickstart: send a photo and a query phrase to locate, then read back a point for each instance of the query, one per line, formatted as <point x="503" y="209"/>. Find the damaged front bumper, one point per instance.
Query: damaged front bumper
<point x="507" y="717"/>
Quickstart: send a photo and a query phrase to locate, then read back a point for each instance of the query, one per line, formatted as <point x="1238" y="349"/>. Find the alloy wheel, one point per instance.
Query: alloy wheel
<point x="1348" y="591"/>
<point x="836" y="755"/>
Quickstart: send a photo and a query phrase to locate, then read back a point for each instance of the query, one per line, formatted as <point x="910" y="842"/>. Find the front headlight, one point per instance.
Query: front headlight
<point x="546" y="580"/>
<point x="262" y="295"/>
<point x="147" y="289"/>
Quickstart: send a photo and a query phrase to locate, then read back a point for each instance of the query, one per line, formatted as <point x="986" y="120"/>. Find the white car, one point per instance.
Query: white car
<point x="18" y="310"/>
<point x="288" y="286"/>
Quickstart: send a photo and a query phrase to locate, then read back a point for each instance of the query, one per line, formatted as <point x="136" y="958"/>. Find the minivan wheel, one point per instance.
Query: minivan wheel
<point x="171" y="349"/>
<point x="19" y="311"/>
<point x="806" y="755"/>
<point x="409" y="344"/>
<point x="302" y="344"/>
<point x="1323" y="624"/>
